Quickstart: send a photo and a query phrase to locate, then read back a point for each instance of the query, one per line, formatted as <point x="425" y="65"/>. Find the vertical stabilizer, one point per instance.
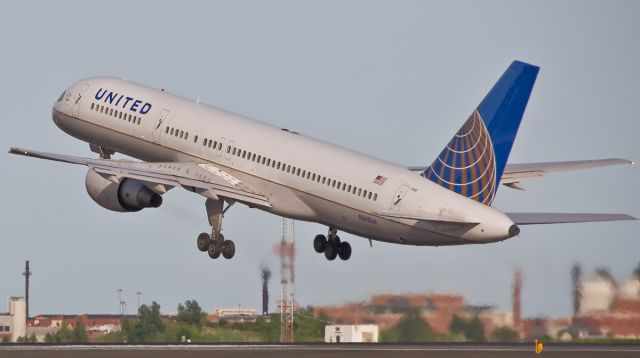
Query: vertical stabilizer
<point x="473" y="161"/>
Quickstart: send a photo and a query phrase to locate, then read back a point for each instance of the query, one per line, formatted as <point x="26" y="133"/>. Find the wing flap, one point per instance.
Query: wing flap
<point x="564" y="218"/>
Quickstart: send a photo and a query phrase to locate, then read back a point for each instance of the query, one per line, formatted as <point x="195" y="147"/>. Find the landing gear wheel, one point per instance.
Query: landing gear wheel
<point x="320" y="243"/>
<point x="228" y="249"/>
<point x="331" y="250"/>
<point x="215" y="249"/>
<point x="203" y="242"/>
<point x="344" y="250"/>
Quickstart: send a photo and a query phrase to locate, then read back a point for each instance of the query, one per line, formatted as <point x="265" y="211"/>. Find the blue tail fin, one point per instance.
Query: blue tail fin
<point x="473" y="161"/>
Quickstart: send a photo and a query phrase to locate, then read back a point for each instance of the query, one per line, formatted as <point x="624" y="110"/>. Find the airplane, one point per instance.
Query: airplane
<point x="228" y="159"/>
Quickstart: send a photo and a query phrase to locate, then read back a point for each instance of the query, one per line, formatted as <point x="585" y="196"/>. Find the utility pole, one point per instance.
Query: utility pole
<point x="121" y="303"/>
<point x="27" y="273"/>
<point x="139" y="293"/>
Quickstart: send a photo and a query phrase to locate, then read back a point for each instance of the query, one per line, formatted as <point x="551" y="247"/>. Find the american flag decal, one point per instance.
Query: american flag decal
<point x="379" y="180"/>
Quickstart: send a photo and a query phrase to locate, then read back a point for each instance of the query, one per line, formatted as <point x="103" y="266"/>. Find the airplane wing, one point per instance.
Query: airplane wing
<point x="562" y="218"/>
<point x="514" y="173"/>
<point x="202" y="178"/>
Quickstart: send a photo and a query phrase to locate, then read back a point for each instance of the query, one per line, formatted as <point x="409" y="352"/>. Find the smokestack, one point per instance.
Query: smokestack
<point x="266" y="274"/>
<point x="576" y="287"/>
<point x="26" y="275"/>
<point x="517" y="309"/>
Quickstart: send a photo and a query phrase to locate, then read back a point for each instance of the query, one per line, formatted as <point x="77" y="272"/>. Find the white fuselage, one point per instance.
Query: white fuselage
<point x="303" y="178"/>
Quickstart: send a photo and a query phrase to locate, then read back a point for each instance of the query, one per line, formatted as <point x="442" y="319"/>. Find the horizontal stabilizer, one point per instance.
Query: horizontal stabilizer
<point x="514" y="173"/>
<point x="559" y="218"/>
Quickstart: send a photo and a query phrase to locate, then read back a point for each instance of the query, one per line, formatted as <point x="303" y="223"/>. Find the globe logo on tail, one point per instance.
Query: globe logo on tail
<point x="467" y="165"/>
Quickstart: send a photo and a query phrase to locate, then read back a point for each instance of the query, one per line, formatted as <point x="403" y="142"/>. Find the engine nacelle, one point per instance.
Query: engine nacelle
<point x="126" y="196"/>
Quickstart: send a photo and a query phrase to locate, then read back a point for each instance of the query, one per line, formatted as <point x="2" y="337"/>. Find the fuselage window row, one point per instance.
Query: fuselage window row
<point x="240" y="153"/>
<point x="177" y="133"/>
<point x="116" y="113"/>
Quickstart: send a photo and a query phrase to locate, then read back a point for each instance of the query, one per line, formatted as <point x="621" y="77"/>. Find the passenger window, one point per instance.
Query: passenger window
<point x="323" y="179"/>
<point x="195" y="139"/>
<point x="111" y="111"/>
<point x="171" y="131"/>
<point x="375" y="197"/>
<point x="234" y="151"/>
<point x="288" y="168"/>
<point x="359" y="191"/>
<point x="92" y="104"/>
<point x="186" y="135"/>
<point x="344" y="186"/>
<point x="364" y="194"/>
<point x="166" y="129"/>
<point x="369" y="195"/>
<point x="349" y="188"/>
<point x="253" y="157"/>
<point x="259" y="159"/>
<point x="244" y="154"/>
<point x="101" y="109"/>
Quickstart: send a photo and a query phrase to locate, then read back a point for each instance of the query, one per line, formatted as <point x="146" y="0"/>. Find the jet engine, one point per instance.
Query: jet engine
<point x="127" y="195"/>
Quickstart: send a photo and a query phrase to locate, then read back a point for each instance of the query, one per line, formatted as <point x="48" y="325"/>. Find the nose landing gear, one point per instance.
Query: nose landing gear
<point x="331" y="246"/>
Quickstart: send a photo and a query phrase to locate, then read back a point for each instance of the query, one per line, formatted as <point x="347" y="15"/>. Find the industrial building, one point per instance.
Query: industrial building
<point x="13" y="324"/>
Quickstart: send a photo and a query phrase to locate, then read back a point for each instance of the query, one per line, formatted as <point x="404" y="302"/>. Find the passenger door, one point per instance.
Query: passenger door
<point x="159" y="125"/>
<point x="398" y="197"/>
<point x="77" y="99"/>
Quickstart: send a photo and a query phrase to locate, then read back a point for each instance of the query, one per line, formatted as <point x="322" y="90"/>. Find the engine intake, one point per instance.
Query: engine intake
<point x="128" y="195"/>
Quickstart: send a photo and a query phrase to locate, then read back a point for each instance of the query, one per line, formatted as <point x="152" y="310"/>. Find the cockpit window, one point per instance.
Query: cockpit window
<point x="61" y="96"/>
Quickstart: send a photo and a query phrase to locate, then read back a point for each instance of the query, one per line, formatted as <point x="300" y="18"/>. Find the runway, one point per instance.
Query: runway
<point x="317" y="350"/>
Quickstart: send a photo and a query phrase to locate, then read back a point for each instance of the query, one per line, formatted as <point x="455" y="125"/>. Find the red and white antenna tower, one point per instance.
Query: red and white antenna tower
<point x="286" y="250"/>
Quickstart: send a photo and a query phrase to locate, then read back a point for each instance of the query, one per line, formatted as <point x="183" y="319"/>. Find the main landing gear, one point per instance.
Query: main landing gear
<point x="215" y="244"/>
<point x="332" y="246"/>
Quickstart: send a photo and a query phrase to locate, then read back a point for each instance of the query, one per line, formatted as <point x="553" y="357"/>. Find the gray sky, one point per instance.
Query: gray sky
<point x="394" y="79"/>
